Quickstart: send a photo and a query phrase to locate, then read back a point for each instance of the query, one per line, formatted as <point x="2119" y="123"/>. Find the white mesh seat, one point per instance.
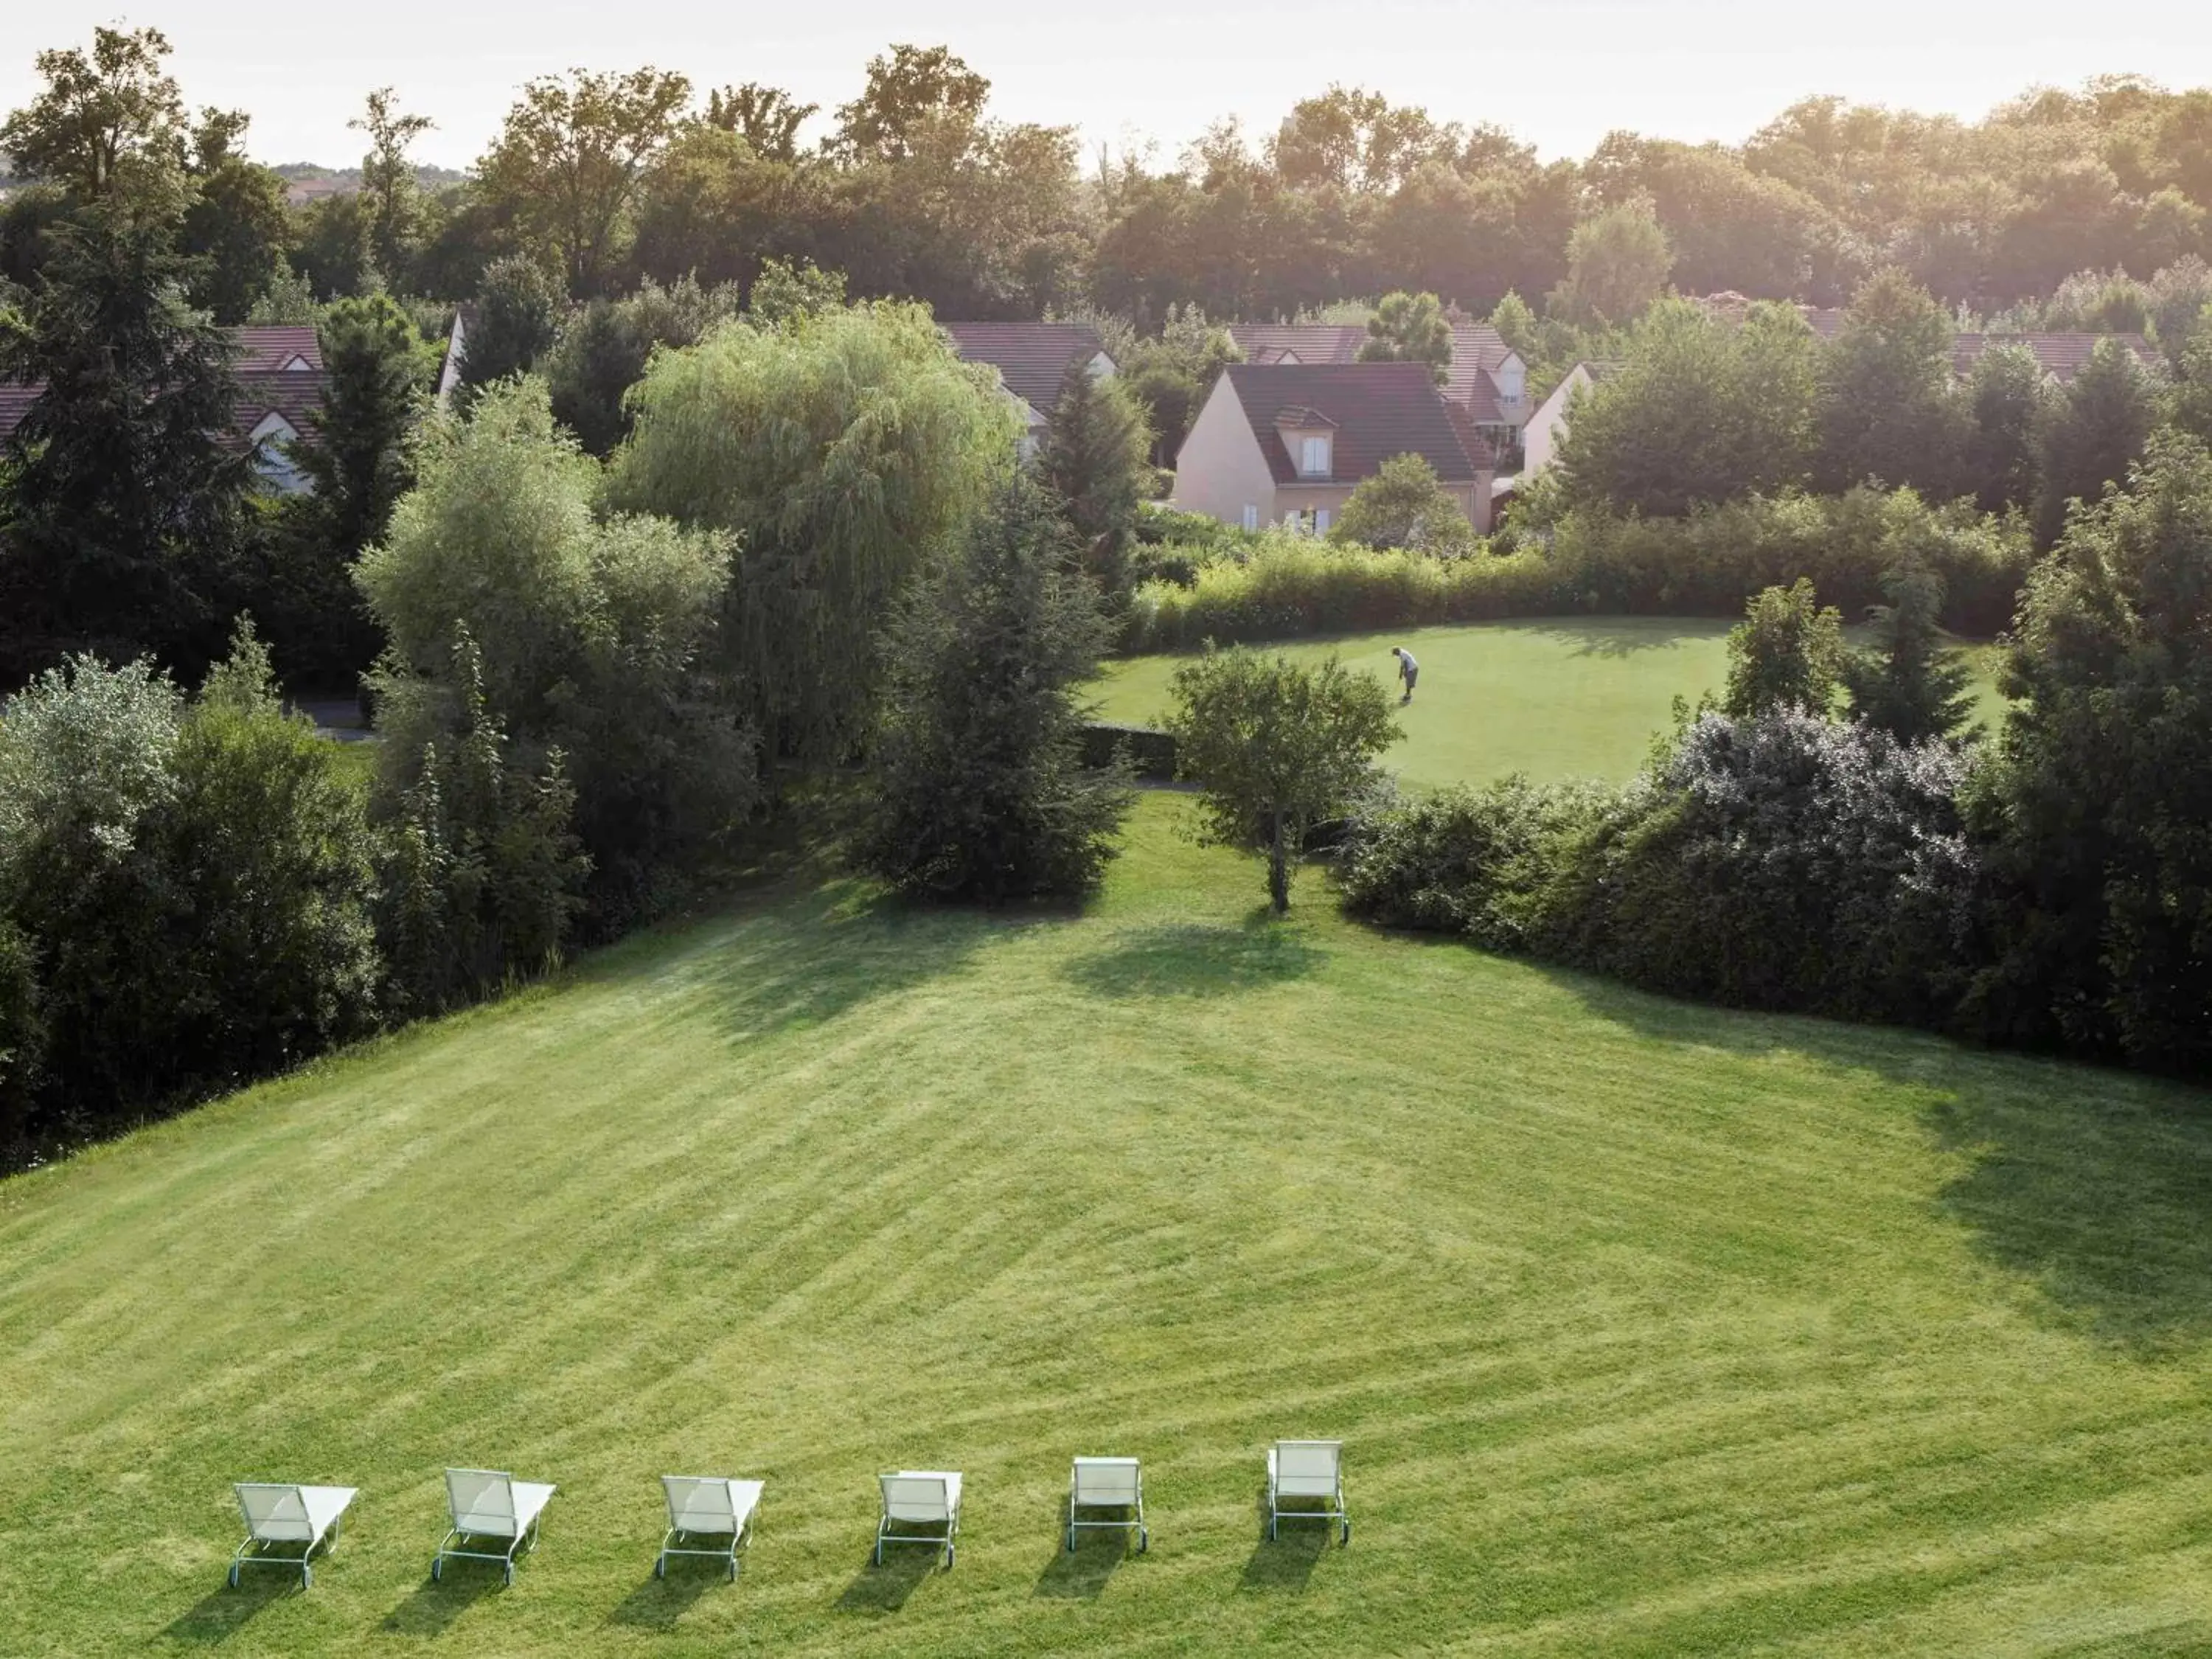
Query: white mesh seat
<point x="923" y="1498"/>
<point x="491" y="1506"/>
<point x="280" y="1513"/>
<point x="702" y="1506"/>
<point x="1108" y="1483"/>
<point x="1310" y="1474"/>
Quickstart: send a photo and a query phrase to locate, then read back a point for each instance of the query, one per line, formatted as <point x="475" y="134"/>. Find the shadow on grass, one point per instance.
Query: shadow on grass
<point x="222" y="1614"/>
<point x="1080" y="1574"/>
<point x="1598" y="639"/>
<point x="1285" y="1561"/>
<point x="1192" y="959"/>
<point x="658" y="1603"/>
<point x="2093" y="1185"/>
<point x="436" y="1603"/>
<point x="886" y="1589"/>
<point x="811" y="956"/>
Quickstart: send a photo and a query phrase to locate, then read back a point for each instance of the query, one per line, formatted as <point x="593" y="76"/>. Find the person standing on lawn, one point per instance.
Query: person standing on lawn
<point x="1409" y="670"/>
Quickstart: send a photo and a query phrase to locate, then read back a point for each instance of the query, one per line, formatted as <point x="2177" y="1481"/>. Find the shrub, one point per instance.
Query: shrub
<point x="1780" y="862"/>
<point x="1787" y="653"/>
<point x="1708" y="564"/>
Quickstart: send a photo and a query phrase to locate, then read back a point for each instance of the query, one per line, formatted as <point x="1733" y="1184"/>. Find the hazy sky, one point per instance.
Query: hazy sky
<point x="1560" y="73"/>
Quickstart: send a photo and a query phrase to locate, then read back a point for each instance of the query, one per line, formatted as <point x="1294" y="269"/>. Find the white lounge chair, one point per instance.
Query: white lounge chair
<point x="920" y="1497"/>
<point x="494" y="1507"/>
<point x="278" y="1513"/>
<point x="1309" y="1471"/>
<point x="707" y="1506"/>
<point x="1108" y="1483"/>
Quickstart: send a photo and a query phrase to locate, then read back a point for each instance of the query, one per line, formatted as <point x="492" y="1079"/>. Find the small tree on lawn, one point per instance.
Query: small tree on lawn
<point x="1276" y="748"/>
<point x="1097" y="456"/>
<point x="1912" y="685"/>
<point x="1787" y="653"/>
<point x="1405" y="505"/>
<point x="979" y="786"/>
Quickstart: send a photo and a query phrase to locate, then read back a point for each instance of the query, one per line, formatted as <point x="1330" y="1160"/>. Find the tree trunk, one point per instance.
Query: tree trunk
<point x="1279" y="869"/>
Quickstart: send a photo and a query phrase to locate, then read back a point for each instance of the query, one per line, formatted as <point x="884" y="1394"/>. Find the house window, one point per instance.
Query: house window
<point x="1312" y="458"/>
<point x="1251" y="516"/>
<point x="1321" y="521"/>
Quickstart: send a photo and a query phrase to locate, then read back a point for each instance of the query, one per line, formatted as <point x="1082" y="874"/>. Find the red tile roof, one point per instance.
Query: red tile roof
<point x="2062" y="355"/>
<point x="264" y="347"/>
<point x="294" y="395"/>
<point x="1477" y="349"/>
<point x="1032" y="358"/>
<point x="263" y="387"/>
<point x="1379" y="410"/>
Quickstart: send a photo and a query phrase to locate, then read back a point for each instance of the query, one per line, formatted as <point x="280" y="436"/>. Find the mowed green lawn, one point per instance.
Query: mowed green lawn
<point x="1569" y="697"/>
<point x="1648" y="1329"/>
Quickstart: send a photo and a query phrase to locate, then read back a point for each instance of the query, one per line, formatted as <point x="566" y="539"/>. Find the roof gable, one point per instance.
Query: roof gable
<point x="1378" y="410"/>
<point x="1032" y="358"/>
<point x="1477" y="349"/>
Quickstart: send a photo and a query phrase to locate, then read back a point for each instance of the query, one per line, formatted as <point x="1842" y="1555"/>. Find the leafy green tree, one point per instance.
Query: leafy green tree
<point x="590" y="635"/>
<point x="2092" y="431"/>
<point x="2006" y="397"/>
<point x="1912" y="683"/>
<point x="104" y="120"/>
<point x="481" y="877"/>
<point x="1617" y="264"/>
<point x="912" y="98"/>
<point x="518" y="313"/>
<point x="1699" y="414"/>
<point x="1787" y="653"/>
<point x="1516" y="323"/>
<point x="786" y="289"/>
<point x="1409" y="328"/>
<point x="568" y="161"/>
<point x="22" y="1040"/>
<point x="188" y="880"/>
<point x="2095" y="810"/>
<point x="1276" y="747"/>
<point x="842" y="450"/>
<point x="388" y="185"/>
<point x="1095" y="457"/>
<point x="2193" y="388"/>
<point x="604" y="344"/>
<point x="1886" y="408"/>
<point x="235" y="229"/>
<point x="979" y="785"/>
<point x="123" y="503"/>
<point x="1405" y="505"/>
<point x="767" y="117"/>
<point x="1170" y="376"/>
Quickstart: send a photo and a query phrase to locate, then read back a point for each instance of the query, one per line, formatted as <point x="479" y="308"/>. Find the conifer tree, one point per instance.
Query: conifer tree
<point x="1097" y="457"/>
<point x="1911" y="684"/>
<point x="981" y="789"/>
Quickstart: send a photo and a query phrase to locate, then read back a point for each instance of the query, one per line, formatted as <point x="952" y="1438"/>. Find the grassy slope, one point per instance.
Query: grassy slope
<point x="1563" y="698"/>
<point x="1650" y="1329"/>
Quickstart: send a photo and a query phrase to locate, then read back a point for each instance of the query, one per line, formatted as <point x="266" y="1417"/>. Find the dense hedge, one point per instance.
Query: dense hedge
<point x="1782" y="862"/>
<point x="1708" y="564"/>
<point x="1151" y="753"/>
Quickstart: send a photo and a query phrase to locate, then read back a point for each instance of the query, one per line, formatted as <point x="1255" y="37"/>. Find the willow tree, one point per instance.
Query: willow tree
<point x="844" y="447"/>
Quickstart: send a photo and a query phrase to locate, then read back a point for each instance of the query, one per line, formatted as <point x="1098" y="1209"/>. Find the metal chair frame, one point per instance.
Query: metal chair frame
<point x="261" y="1552"/>
<point x="1335" y="1511"/>
<point x="936" y="1541"/>
<point x="1133" y="1521"/>
<point x="739" y="1540"/>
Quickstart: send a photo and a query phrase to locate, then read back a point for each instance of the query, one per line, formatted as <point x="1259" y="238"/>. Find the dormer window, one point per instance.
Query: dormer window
<point x="1313" y="455"/>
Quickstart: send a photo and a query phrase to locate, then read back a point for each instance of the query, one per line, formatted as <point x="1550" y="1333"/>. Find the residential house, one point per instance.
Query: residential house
<point x="281" y="381"/>
<point x="1287" y="442"/>
<point x="1032" y="360"/>
<point x="1486" y="377"/>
